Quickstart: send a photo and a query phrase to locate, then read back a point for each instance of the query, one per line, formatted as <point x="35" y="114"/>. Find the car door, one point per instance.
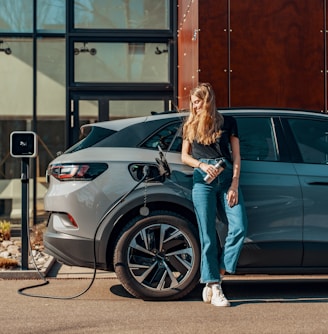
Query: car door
<point x="270" y="186"/>
<point x="311" y="138"/>
<point x="272" y="196"/>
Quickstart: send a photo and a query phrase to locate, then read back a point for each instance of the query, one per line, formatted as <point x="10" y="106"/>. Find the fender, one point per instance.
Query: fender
<point x="125" y="211"/>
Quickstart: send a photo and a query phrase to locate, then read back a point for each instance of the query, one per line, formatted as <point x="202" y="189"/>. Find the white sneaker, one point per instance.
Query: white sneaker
<point x="207" y="294"/>
<point x="218" y="298"/>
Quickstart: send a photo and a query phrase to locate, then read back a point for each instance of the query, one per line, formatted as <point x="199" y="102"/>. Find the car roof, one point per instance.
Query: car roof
<point x="119" y="124"/>
<point x="271" y="112"/>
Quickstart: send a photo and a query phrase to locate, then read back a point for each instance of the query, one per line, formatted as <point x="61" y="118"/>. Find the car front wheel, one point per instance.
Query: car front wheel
<point x="157" y="257"/>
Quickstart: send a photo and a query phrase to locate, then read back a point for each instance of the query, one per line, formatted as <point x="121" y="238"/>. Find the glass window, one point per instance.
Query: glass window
<point x="51" y="97"/>
<point x="121" y="14"/>
<point x="121" y="62"/>
<point x="16" y="73"/>
<point x="51" y="135"/>
<point x="51" y="89"/>
<point x="88" y="109"/>
<point x="167" y="138"/>
<point x="257" y="140"/>
<point x="312" y="139"/>
<point x="124" y="109"/>
<point x="51" y="15"/>
<point x="16" y="15"/>
<point x="91" y="136"/>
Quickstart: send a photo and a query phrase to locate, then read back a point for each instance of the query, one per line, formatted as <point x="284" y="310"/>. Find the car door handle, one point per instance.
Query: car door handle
<point x="318" y="183"/>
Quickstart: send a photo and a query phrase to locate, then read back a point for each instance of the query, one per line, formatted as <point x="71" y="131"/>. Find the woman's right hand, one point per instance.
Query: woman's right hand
<point x="209" y="169"/>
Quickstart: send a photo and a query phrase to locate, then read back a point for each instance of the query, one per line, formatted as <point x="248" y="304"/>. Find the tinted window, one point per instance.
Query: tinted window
<point x="96" y="135"/>
<point x="312" y="139"/>
<point x="257" y="140"/>
<point x="168" y="138"/>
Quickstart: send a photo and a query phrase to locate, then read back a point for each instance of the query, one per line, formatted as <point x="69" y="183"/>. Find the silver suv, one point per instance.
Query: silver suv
<point x="114" y="203"/>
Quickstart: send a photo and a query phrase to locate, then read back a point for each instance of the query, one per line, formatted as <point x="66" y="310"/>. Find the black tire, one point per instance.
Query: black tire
<point x="157" y="257"/>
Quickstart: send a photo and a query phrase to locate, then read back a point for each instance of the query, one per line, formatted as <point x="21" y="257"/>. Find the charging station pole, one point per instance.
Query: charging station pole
<point x="25" y="211"/>
<point x="23" y="144"/>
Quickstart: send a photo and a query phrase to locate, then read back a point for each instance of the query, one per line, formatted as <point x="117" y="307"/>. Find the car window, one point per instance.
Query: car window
<point x="257" y="139"/>
<point x="312" y="139"/>
<point x="168" y="138"/>
<point x="93" y="136"/>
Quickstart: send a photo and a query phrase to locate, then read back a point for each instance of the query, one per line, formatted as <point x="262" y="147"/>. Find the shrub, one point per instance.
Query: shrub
<point x="5" y="228"/>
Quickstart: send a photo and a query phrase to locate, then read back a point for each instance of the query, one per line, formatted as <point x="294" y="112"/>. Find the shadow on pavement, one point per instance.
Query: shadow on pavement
<point x="260" y="291"/>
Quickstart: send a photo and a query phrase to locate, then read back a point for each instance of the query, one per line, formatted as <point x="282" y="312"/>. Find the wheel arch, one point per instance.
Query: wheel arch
<point x="179" y="206"/>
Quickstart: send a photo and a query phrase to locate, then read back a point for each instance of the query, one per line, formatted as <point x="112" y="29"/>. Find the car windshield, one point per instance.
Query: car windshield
<point x="95" y="135"/>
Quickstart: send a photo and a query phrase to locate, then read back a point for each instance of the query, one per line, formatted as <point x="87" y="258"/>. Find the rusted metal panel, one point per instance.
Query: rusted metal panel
<point x="214" y="47"/>
<point x="187" y="50"/>
<point x="277" y="53"/>
<point x="264" y="53"/>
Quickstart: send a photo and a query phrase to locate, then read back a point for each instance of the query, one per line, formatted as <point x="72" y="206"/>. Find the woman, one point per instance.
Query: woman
<point x="208" y="136"/>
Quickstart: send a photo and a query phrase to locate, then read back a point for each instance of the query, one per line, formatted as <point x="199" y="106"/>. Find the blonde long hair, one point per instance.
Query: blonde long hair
<point x="203" y="126"/>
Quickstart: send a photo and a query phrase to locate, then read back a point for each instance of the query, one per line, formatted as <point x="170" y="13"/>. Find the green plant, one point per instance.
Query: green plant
<point x="5" y="230"/>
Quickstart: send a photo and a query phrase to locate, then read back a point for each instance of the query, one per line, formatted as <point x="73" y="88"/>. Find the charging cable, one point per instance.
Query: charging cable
<point x="21" y="291"/>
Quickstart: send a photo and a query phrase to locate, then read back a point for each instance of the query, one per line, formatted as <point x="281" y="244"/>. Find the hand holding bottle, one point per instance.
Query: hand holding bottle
<point x="220" y="165"/>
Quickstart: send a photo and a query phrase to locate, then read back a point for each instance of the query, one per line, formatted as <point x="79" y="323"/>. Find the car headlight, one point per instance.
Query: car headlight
<point x="76" y="172"/>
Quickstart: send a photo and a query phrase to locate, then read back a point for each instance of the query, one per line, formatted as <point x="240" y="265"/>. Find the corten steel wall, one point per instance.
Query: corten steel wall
<point x="214" y="47"/>
<point x="264" y="53"/>
<point x="188" y="38"/>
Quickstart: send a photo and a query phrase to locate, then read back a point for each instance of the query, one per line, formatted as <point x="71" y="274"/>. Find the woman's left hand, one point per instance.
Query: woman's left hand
<point x="232" y="197"/>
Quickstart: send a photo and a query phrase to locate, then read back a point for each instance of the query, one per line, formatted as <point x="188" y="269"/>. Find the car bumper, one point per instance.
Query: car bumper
<point x="68" y="249"/>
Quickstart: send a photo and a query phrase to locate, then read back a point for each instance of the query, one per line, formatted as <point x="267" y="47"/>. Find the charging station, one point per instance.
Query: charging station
<point x="23" y="144"/>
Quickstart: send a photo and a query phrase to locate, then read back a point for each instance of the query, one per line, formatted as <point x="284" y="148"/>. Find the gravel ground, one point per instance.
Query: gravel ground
<point x="10" y="250"/>
<point x="10" y="255"/>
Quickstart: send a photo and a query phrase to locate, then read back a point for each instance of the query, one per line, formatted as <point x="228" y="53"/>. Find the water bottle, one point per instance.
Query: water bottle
<point x="220" y="165"/>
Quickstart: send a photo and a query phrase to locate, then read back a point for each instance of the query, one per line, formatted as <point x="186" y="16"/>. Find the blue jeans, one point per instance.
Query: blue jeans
<point x="205" y="203"/>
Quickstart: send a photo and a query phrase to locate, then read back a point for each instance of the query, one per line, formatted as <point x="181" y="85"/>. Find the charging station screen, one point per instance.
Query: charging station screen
<point x="23" y="144"/>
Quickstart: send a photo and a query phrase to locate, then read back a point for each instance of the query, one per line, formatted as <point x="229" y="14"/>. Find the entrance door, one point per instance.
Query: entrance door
<point x="98" y="107"/>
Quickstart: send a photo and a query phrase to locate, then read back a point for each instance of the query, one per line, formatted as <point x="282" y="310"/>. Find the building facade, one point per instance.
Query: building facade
<point x="67" y="63"/>
<point x="64" y="63"/>
<point x="260" y="53"/>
